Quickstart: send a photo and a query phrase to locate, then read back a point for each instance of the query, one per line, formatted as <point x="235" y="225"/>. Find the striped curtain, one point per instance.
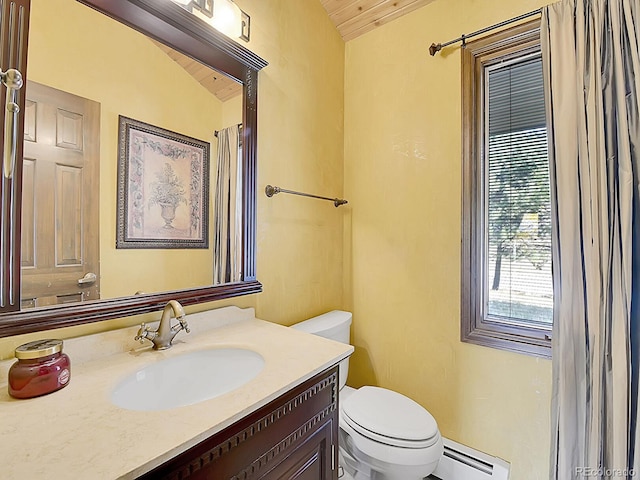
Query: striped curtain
<point x="227" y="221"/>
<point x="592" y="68"/>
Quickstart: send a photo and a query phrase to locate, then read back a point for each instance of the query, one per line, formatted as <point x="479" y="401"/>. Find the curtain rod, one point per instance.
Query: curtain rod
<point x="436" y="47"/>
<point x="215" y="132"/>
<point x="271" y="191"/>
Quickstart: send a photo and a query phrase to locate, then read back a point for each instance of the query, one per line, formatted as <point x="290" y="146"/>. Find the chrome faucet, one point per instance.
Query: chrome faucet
<point x="164" y="335"/>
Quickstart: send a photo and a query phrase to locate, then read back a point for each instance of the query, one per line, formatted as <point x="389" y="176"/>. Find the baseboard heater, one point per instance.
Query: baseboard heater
<point x="460" y="462"/>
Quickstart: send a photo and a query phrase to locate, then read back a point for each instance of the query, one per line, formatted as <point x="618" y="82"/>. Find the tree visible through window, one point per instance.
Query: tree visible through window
<point x="507" y="294"/>
<point x="520" y="228"/>
<point x="518" y="203"/>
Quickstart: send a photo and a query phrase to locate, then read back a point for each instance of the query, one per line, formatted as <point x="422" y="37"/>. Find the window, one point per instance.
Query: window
<point x="507" y="294"/>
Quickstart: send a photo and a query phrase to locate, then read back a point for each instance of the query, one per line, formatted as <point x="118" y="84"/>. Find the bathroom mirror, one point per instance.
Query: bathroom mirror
<point x="140" y="280"/>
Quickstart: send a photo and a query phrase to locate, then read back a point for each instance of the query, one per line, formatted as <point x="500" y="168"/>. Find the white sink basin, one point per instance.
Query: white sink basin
<point x="187" y="379"/>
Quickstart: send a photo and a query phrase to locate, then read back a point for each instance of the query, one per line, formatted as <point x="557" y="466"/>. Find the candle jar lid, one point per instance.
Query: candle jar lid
<point x="38" y="349"/>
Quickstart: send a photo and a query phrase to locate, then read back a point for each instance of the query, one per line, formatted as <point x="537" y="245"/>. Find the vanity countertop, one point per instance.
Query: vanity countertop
<point x="77" y="433"/>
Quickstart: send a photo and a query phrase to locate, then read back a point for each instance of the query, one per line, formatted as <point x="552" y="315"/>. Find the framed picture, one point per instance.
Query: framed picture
<point x="163" y="188"/>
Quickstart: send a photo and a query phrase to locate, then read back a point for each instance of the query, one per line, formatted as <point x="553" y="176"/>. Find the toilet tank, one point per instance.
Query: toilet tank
<point x="334" y="325"/>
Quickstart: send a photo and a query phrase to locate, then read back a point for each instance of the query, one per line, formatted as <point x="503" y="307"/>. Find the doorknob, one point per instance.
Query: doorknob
<point x="87" y="279"/>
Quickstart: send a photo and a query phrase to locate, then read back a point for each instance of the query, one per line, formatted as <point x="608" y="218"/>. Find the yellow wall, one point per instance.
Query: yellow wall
<point x="300" y="147"/>
<point x="402" y="241"/>
<point x="80" y="51"/>
<point x="232" y="111"/>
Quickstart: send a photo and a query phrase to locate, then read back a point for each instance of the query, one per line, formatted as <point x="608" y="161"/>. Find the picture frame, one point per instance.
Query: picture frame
<point x="163" y="188"/>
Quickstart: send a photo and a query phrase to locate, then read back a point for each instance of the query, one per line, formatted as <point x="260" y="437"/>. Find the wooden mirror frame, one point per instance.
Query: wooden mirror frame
<point x="166" y="22"/>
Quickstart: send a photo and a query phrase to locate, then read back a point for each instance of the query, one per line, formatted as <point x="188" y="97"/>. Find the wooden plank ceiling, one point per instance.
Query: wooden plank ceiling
<point x="220" y="85"/>
<point x="355" y="17"/>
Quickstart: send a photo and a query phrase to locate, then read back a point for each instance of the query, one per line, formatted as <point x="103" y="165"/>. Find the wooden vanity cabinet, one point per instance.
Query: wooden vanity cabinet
<point x="293" y="437"/>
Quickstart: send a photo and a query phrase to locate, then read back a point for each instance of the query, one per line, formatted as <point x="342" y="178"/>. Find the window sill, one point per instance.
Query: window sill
<point x="537" y="344"/>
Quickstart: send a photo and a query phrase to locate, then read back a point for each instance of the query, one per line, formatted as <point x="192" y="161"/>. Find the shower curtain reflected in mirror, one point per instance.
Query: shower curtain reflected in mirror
<point x="227" y="220"/>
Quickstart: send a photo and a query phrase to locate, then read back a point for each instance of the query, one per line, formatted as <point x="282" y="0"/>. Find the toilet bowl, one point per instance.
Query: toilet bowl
<point x="384" y="435"/>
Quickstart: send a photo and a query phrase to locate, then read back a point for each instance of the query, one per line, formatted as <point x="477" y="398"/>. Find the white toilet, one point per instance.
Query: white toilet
<point x="383" y="434"/>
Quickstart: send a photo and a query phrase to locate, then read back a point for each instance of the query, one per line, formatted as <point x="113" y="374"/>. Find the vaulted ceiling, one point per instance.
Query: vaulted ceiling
<point x="352" y="18"/>
<point x="355" y="17"/>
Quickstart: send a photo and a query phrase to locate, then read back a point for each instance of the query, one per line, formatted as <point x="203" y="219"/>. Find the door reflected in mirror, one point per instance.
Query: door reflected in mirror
<point x="84" y="71"/>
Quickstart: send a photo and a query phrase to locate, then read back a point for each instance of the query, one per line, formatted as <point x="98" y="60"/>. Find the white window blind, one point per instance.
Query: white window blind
<point x="518" y="282"/>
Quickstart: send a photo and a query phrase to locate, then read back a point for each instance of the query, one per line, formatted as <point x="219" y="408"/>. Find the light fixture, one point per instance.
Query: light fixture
<point x="227" y="18"/>
<point x="224" y="15"/>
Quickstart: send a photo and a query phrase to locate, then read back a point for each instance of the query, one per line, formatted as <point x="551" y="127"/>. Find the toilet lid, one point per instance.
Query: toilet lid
<point x="389" y="417"/>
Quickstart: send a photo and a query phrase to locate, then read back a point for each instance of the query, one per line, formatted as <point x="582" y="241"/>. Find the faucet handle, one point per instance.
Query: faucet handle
<point x="142" y="333"/>
<point x="184" y="324"/>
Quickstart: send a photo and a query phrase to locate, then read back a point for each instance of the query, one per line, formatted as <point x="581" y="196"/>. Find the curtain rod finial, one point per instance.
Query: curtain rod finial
<point x="435" y="48"/>
<point x="270" y="191"/>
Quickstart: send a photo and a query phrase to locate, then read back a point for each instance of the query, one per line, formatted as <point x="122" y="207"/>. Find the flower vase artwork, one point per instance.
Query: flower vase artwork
<point x="168" y="192"/>
<point x="163" y="188"/>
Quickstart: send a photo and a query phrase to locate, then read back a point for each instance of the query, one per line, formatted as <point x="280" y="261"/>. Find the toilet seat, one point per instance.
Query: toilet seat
<point x="390" y="418"/>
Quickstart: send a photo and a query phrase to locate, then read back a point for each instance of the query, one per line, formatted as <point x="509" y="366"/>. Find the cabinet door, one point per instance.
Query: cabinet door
<point x="14" y="30"/>
<point x="312" y="460"/>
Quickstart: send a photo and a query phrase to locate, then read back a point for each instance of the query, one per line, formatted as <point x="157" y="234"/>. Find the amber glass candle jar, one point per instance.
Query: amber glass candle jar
<point x="41" y="368"/>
